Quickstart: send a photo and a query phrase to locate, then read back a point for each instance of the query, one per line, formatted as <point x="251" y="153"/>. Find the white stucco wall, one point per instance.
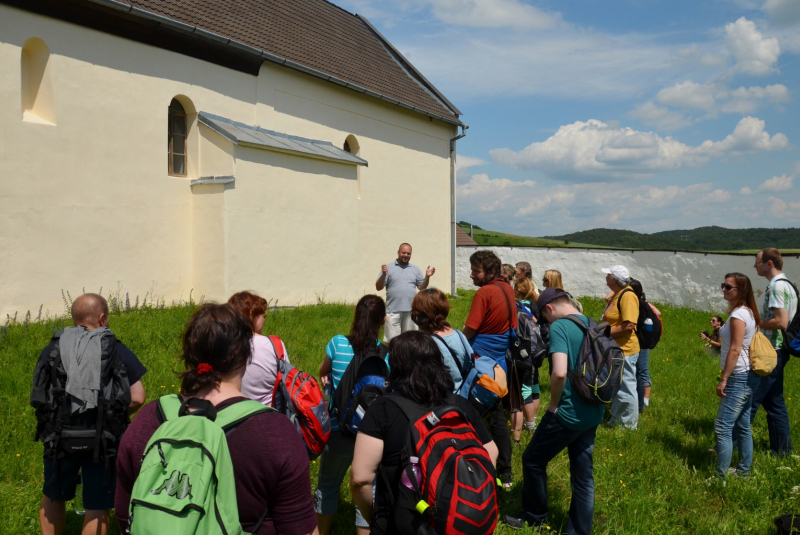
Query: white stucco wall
<point x="682" y="279"/>
<point x="87" y="201"/>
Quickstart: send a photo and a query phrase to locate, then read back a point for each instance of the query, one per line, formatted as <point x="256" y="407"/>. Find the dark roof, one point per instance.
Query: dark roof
<point x="462" y="238"/>
<point x="313" y="36"/>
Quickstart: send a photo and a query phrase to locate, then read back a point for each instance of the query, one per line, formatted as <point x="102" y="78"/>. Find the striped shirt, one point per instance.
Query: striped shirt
<point x="340" y="354"/>
<point x="778" y="295"/>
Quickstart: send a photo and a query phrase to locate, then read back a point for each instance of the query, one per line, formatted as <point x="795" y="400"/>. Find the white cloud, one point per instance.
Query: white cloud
<point x="748" y="99"/>
<point x="777" y="184"/>
<point x="594" y="150"/>
<point x="662" y="118"/>
<point x="784" y="209"/>
<point x="782" y="12"/>
<point x="492" y="14"/>
<point x="465" y="162"/>
<point x="754" y="54"/>
<point x="529" y="206"/>
<point x="707" y="57"/>
<point x="689" y="94"/>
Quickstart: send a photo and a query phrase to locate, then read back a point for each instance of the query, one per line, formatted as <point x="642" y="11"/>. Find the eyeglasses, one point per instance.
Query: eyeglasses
<point x="727" y="287"/>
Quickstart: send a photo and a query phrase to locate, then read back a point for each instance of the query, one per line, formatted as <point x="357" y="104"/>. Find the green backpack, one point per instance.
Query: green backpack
<point x="186" y="483"/>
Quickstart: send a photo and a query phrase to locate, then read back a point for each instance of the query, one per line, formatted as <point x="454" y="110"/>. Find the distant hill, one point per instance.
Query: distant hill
<point x="491" y="237"/>
<point x="698" y="239"/>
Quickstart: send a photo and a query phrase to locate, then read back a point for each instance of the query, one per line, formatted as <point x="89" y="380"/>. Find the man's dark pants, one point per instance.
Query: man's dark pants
<point x="550" y="438"/>
<point x="498" y="428"/>
<point x="770" y="396"/>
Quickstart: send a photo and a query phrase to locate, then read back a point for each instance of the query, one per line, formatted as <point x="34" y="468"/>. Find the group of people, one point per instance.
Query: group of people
<point x="227" y="360"/>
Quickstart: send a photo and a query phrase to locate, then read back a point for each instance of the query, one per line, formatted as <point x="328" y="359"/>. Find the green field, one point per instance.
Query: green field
<point x="648" y="481"/>
<point x="493" y="238"/>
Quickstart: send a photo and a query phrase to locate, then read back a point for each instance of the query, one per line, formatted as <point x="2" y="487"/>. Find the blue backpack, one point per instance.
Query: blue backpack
<point x="364" y="381"/>
<point x="485" y="385"/>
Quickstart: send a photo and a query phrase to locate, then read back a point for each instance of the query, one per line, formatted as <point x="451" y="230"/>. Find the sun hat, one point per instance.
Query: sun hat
<point x="620" y="272"/>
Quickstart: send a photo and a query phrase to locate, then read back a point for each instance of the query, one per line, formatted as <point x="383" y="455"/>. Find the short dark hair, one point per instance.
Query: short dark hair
<point x="636" y="286"/>
<point x="218" y="335"/>
<point x="429" y="310"/>
<point x="488" y="261"/>
<point x="416" y="369"/>
<point x="771" y="253"/>
<point x="249" y="304"/>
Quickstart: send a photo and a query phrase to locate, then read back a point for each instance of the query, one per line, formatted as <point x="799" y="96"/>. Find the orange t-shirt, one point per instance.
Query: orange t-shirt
<point x="489" y="311"/>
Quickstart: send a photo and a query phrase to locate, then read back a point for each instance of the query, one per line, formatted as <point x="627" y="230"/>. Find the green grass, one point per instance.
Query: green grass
<point x="648" y="481"/>
<point x="494" y="238"/>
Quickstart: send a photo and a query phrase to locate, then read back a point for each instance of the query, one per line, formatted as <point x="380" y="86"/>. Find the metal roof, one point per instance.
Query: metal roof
<point x="261" y="138"/>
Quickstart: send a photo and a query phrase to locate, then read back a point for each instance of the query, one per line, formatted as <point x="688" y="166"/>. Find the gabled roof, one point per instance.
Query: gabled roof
<point x="462" y="238"/>
<point x="312" y="36"/>
<point x="255" y="136"/>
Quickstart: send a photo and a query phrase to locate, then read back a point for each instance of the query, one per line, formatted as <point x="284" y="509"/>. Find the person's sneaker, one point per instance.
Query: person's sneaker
<point x="505" y="479"/>
<point x="514" y="521"/>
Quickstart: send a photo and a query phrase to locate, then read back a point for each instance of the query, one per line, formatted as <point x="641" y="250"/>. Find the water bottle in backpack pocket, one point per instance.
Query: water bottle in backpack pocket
<point x="447" y="485"/>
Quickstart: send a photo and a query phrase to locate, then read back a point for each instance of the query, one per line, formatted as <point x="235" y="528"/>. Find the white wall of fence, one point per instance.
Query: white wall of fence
<point x="683" y="279"/>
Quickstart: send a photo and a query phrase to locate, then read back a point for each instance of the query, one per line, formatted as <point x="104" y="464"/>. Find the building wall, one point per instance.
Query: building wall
<point x="682" y="279"/>
<point x="87" y="201"/>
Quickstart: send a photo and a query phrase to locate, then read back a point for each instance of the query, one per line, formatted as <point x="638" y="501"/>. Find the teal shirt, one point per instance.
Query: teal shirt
<point x="573" y="411"/>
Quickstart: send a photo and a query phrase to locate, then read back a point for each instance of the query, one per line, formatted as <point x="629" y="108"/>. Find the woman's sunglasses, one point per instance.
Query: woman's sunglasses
<point x="727" y="287"/>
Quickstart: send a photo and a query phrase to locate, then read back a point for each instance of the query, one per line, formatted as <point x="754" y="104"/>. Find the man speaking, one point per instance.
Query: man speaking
<point x="401" y="280"/>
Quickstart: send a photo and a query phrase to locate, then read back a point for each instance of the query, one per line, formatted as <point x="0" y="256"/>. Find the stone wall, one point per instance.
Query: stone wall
<point x="682" y="279"/>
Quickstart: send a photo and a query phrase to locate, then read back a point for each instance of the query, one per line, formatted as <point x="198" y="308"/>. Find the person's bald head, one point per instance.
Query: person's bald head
<point x="91" y="311"/>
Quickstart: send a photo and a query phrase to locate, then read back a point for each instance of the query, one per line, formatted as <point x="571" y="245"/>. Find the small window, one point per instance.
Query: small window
<point x="346" y="146"/>
<point x="177" y="139"/>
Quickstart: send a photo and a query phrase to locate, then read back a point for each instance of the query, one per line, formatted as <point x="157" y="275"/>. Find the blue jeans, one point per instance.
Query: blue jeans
<point x="642" y="375"/>
<point x="769" y="395"/>
<point x="550" y="438"/>
<point x="333" y="465"/>
<point x="733" y="416"/>
<point x="625" y="407"/>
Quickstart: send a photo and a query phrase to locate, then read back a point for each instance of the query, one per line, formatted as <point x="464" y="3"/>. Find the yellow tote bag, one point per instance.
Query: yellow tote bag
<point x="763" y="357"/>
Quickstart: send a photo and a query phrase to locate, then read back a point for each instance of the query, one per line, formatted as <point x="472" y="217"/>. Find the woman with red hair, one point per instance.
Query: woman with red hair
<point x="258" y="382"/>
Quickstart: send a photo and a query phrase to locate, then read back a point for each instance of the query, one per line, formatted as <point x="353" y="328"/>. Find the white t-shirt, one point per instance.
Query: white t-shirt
<point x="258" y="382"/>
<point x="743" y="363"/>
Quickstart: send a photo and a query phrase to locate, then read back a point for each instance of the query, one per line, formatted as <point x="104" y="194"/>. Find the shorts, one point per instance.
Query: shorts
<point x="530" y="386"/>
<point x="523" y="388"/>
<point x="333" y="465"/>
<point x="98" y="484"/>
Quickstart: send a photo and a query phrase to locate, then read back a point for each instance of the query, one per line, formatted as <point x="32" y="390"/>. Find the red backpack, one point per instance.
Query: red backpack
<point x="457" y="494"/>
<point x="297" y="395"/>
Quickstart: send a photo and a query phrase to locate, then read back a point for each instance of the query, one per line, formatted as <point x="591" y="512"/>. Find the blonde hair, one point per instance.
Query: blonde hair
<point x="525" y="290"/>
<point x="510" y="271"/>
<point x="553" y="278"/>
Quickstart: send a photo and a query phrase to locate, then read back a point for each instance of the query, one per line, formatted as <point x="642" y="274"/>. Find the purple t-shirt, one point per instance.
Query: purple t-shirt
<point x="270" y="465"/>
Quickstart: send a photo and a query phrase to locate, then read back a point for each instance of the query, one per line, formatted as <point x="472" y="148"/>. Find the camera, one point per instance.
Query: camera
<point x="705" y="333"/>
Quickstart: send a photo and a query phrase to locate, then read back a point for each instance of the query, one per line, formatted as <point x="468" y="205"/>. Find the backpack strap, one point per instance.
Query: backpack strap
<point x="797" y="293"/>
<point x="235" y="415"/>
<point x="508" y="304"/>
<point x="452" y="353"/>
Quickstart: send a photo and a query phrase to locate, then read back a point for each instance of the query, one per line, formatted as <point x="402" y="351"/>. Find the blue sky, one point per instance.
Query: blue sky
<point x="636" y="114"/>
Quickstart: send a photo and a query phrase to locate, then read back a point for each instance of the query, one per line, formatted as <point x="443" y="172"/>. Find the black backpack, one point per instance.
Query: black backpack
<point x="456" y="493"/>
<point x="791" y="342"/>
<point x="529" y="349"/>
<point x="363" y="382"/>
<point x="98" y="430"/>
<point x="648" y="337"/>
<point x="598" y="374"/>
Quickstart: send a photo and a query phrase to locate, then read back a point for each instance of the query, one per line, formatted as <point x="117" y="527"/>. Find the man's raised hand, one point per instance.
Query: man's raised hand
<point x="384" y="269"/>
<point x="430" y="271"/>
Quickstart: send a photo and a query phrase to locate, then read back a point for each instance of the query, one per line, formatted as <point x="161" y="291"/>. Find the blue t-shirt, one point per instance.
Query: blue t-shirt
<point x="401" y="286"/>
<point x="574" y="412"/>
<point x="340" y="354"/>
<point x="463" y="352"/>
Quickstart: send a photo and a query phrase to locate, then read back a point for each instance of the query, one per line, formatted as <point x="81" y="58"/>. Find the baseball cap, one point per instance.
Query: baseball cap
<point x="620" y="272"/>
<point x="548" y="295"/>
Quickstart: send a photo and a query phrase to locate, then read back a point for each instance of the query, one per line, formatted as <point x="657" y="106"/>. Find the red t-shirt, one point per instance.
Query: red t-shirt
<point x="489" y="311"/>
<point x="270" y="465"/>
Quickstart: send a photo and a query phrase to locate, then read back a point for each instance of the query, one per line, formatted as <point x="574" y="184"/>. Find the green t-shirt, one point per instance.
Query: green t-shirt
<point x="573" y="412"/>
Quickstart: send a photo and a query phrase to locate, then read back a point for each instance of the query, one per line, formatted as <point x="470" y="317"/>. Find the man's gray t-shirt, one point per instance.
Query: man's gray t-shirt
<point x="401" y="286"/>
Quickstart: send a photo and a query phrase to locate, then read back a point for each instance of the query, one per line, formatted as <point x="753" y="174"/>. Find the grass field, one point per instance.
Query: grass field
<point x="648" y="481"/>
<point x="494" y="238"/>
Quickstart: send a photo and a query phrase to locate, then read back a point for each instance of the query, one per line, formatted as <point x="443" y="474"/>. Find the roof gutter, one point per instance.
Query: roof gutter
<point x="453" y="208"/>
<point x="214" y="38"/>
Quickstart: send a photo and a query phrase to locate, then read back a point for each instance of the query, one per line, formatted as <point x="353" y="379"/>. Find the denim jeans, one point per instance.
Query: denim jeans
<point x="498" y="428"/>
<point x="733" y="416"/>
<point x="642" y="375"/>
<point x="769" y="395"/>
<point x="625" y="407"/>
<point x="550" y="438"/>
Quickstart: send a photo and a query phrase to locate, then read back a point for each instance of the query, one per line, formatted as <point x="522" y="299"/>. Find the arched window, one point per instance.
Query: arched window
<point x="352" y="146"/>
<point x="36" y="88"/>
<point x="177" y="139"/>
